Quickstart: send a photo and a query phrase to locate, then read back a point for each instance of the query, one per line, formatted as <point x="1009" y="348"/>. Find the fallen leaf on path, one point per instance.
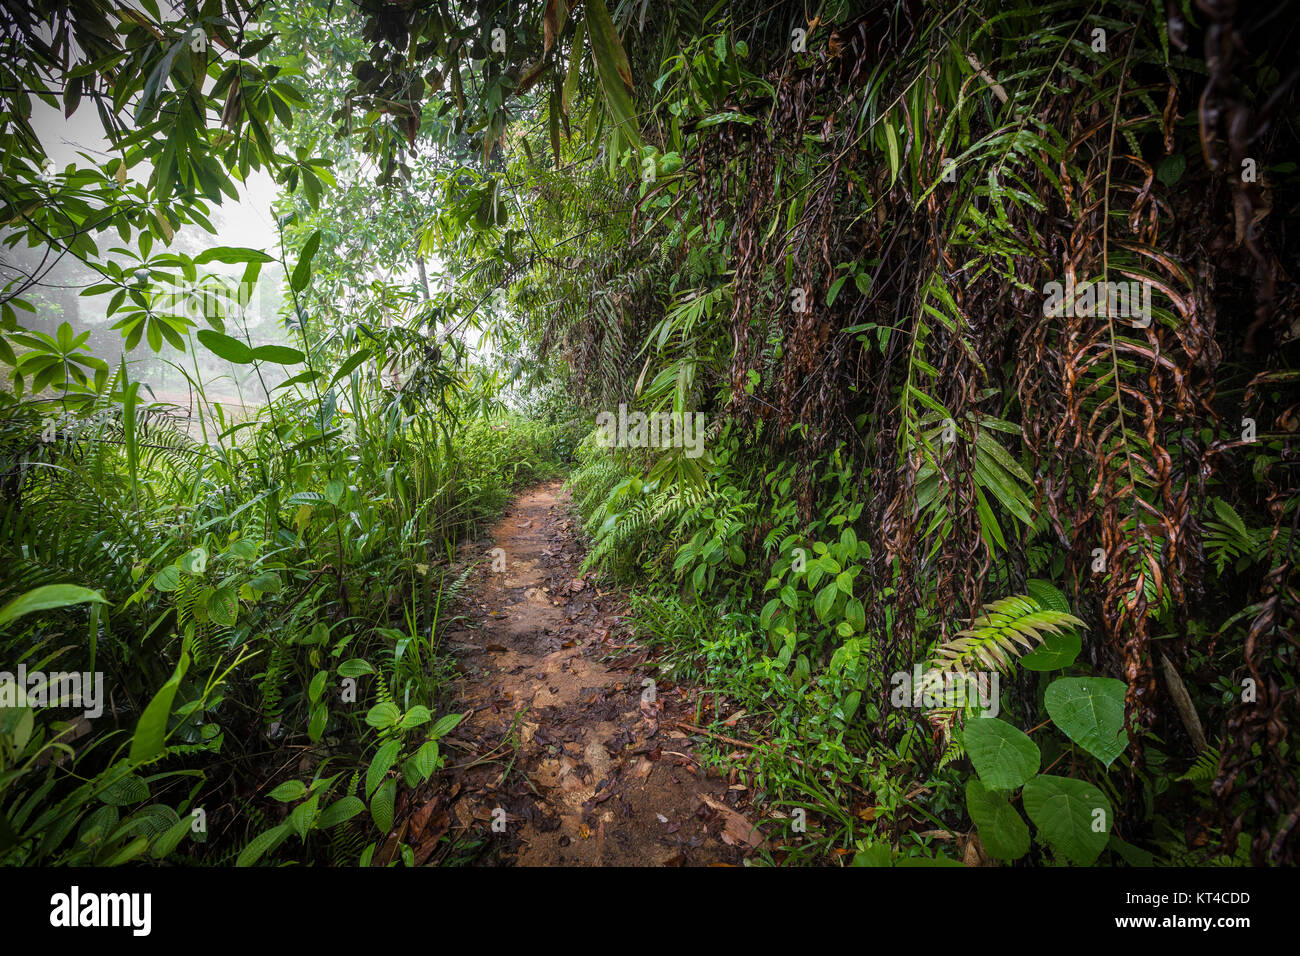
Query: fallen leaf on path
<point x="650" y="711"/>
<point x="937" y="834"/>
<point x="737" y="829"/>
<point x="420" y="819"/>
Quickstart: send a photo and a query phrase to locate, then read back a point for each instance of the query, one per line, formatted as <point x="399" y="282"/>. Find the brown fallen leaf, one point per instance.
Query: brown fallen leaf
<point x="650" y="711"/>
<point x="438" y="825"/>
<point x="420" y="819"/>
<point x="736" y="828"/>
<point x="937" y="834"/>
<point x="388" y="852"/>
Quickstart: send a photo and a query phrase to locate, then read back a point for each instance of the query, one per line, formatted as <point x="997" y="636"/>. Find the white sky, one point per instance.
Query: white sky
<point x="250" y="222"/>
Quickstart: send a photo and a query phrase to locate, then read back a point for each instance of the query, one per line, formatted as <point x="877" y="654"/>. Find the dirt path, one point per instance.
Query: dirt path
<point x="564" y="759"/>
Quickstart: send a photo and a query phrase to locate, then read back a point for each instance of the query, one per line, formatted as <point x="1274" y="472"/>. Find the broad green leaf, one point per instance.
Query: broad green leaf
<point x="613" y="69"/>
<point x="575" y="64"/>
<point x="874" y="854"/>
<point x="226" y="347"/>
<point x="1132" y="855"/>
<point x="1003" y="833"/>
<point x="1003" y="755"/>
<point x="230" y="254"/>
<point x="426" y="759"/>
<point x="17" y="721"/>
<point x="167" y="842"/>
<point x="47" y="598"/>
<point x="319" y="717"/>
<point x="1090" y="711"/>
<point x="268" y="582"/>
<point x="317" y="686"/>
<point x="350" y="364"/>
<point x="261" y="844"/>
<point x="304" y="815"/>
<point x="1046" y="595"/>
<point x="334" y="490"/>
<point x="125" y="790"/>
<point x="355" y="668"/>
<point x="380" y="764"/>
<point x="825" y="601"/>
<point x="445" y="725"/>
<point x="279" y="354"/>
<point x="150" y="731"/>
<point x="891" y="141"/>
<point x="381" y="805"/>
<point x="855" y="614"/>
<point x="1056" y="652"/>
<point x="194" y="561"/>
<point x="383" y="715"/>
<point x="289" y="791"/>
<point x="129" y="852"/>
<point x="223" y="606"/>
<point x="302" y="271"/>
<point x="417" y="715"/>
<point x="339" y="812"/>
<point x="1072" y="815"/>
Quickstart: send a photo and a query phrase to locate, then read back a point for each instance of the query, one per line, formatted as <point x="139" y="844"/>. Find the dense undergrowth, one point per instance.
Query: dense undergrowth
<point x="265" y="611"/>
<point x="738" y="623"/>
<point x="923" y="471"/>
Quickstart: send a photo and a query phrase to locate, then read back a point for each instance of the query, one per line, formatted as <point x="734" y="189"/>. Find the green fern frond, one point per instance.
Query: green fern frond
<point x="1205" y="769"/>
<point x="999" y="636"/>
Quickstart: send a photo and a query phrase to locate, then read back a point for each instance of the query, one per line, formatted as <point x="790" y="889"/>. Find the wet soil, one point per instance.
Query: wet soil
<point x="568" y="755"/>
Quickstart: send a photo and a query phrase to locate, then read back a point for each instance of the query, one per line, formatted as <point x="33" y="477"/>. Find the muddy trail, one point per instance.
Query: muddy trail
<point x="566" y="757"/>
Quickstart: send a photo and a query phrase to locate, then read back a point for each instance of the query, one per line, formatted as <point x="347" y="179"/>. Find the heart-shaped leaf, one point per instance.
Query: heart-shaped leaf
<point x="1072" y="815"/>
<point x="1090" y="711"/>
<point x="223" y="606"/>
<point x="383" y="715"/>
<point x="1003" y="755"/>
<point x="168" y="579"/>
